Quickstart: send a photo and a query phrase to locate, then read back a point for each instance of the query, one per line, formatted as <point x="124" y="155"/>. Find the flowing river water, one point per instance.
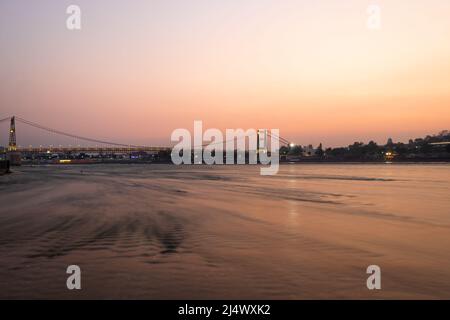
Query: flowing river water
<point x="207" y="232"/>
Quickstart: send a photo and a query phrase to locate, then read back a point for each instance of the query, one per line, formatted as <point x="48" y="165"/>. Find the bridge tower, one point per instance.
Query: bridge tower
<point x="14" y="156"/>
<point x="12" y="135"/>
<point x="261" y="145"/>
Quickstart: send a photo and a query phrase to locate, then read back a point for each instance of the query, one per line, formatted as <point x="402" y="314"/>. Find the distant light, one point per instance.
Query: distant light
<point x="65" y="161"/>
<point x="292" y="145"/>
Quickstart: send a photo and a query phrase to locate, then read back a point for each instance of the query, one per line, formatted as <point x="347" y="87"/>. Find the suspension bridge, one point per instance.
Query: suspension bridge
<point x="100" y="145"/>
<point x="81" y="144"/>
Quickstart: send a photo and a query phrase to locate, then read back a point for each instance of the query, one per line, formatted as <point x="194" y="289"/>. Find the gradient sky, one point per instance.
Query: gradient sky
<point x="139" y="69"/>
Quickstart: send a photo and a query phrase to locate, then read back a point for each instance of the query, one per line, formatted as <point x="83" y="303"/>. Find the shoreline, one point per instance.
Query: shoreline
<point x="281" y="163"/>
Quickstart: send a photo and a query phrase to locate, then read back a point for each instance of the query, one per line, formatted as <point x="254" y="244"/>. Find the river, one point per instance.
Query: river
<point x="209" y="232"/>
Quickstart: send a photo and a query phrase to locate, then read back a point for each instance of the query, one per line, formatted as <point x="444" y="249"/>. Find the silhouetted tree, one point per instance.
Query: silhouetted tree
<point x="426" y="148"/>
<point x="372" y="147"/>
<point x="401" y="148"/>
<point x="284" y="150"/>
<point x="295" y="150"/>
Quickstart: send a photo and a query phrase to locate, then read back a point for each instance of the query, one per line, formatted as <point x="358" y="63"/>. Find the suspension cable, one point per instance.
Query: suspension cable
<point x="8" y="118"/>
<point x="70" y="135"/>
<point x="278" y="137"/>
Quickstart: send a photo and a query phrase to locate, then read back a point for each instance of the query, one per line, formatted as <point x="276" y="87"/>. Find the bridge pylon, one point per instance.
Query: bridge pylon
<point x="12" y="135"/>
<point x="261" y="141"/>
<point x="13" y="155"/>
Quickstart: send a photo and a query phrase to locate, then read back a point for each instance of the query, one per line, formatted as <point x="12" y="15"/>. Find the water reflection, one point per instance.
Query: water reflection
<point x="225" y="232"/>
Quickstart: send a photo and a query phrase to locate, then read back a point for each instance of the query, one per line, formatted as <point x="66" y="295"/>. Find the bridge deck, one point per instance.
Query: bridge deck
<point x="91" y="149"/>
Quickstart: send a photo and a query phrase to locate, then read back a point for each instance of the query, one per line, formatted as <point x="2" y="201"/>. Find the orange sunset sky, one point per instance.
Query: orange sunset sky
<point x="139" y="69"/>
